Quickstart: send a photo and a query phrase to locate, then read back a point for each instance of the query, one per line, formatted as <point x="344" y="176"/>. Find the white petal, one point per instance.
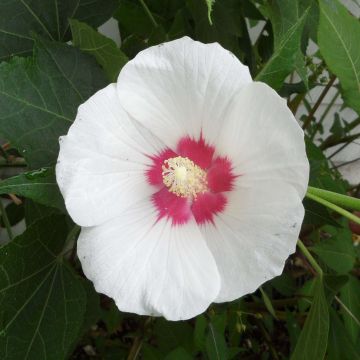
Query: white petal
<point x="262" y="138"/>
<point x="254" y="236"/>
<point x="260" y="225"/>
<point x="148" y="266"/>
<point x="103" y="160"/>
<point x="181" y="87"/>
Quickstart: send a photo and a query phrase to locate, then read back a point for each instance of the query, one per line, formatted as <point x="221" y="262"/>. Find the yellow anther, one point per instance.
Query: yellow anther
<point x="183" y="178"/>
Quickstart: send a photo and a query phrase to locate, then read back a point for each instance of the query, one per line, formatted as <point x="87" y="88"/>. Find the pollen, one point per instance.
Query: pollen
<point x="183" y="178"/>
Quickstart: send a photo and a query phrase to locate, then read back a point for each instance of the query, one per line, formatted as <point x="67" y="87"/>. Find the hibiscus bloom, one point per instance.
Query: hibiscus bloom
<point x="187" y="179"/>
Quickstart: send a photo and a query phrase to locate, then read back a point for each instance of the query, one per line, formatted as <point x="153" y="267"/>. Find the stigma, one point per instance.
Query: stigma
<point x="184" y="178"/>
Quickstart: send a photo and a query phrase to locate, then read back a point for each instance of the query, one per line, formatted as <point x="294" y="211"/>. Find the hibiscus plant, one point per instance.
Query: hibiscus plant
<point x="180" y="193"/>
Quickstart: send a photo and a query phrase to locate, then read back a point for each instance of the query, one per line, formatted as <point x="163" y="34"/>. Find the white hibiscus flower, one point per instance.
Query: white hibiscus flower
<point x="187" y="178"/>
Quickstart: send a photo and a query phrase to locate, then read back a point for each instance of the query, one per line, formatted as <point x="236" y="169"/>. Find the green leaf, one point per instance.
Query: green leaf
<point x="42" y="303"/>
<point x="20" y="18"/>
<point x="350" y="297"/>
<point x="216" y="347"/>
<point x="312" y="342"/>
<point x="133" y="20"/>
<point x="93" y="311"/>
<point x="199" y="332"/>
<point x="284" y="284"/>
<point x="288" y="23"/>
<point x="337" y="252"/>
<point x="316" y="214"/>
<point x="149" y="352"/>
<point x="106" y="52"/>
<point x="210" y="4"/>
<point x="35" y="211"/>
<point x="340" y="345"/>
<point x="178" y="354"/>
<point x="321" y="176"/>
<point x="339" y="39"/>
<point x="267" y="303"/>
<point x="112" y="318"/>
<point x="171" y="335"/>
<point x="333" y="284"/>
<point x="283" y="15"/>
<point x="39" y="98"/>
<point x="38" y="185"/>
<point x="227" y="23"/>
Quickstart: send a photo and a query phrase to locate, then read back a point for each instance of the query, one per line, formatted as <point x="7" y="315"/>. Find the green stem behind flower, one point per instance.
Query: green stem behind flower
<point x="345" y="201"/>
<point x="334" y="207"/>
<point x="310" y="258"/>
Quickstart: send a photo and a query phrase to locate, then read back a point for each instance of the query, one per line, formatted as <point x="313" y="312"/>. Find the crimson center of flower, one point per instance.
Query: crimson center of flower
<point x="183" y="178"/>
<point x="190" y="182"/>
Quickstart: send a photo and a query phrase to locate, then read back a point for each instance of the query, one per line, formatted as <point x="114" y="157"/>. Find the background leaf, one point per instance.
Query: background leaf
<point x="314" y="335"/>
<point x="337" y="251"/>
<point x="340" y="345"/>
<point x="42" y="303"/>
<point x="287" y="36"/>
<point x="46" y="91"/>
<point x="216" y="347"/>
<point x="339" y="39"/>
<point x="210" y="4"/>
<point x="19" y="19"/>
<point x="106" y="52"/>
<point x="350" y="296"/>
<point x="38" y="185"/>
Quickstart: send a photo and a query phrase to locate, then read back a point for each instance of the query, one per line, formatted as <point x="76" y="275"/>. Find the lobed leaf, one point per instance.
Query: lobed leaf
<point x="20" y="18"/>
<point x="288" y="23"/>
<point x="42" y="303"/>
<point x="39" y="98"/>
<point x="38" y="185"/>
<point x="106" y="52"/>
<point x="339" y="39"/>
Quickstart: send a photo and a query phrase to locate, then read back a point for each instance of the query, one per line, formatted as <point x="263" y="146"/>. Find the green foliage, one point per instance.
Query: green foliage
<point x="46" y="91"/>
<point x="339" y="39"/>
<point x="20" y="19"/>
<point x="339" y="341"/>
<point x="216" y="347"/>
<point x="210" y="4"/>
<point x="52" y="60"/>
<point x="288" y="19"/>
<point x="38" y="185"/>
<point x="106" y="52"/>
<point x="312" y="342"/>
<point x="42" y="301"/>
<point x="349" y="296"/>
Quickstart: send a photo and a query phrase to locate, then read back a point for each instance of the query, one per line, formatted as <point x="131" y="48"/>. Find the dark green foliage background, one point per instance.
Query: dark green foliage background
<point x="48" y="310"/>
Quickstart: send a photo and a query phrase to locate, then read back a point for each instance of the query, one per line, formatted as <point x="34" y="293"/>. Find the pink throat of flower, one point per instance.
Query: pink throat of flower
<point x="190" y="181"/>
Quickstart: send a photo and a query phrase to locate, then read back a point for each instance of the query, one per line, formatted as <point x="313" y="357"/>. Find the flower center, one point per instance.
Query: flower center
<point x="183" y="178"/>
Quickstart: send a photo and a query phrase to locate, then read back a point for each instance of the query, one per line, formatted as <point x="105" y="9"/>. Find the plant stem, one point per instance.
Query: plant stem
<point x="338" y="150"/>
<point x="328" y="107"/>
<point x="334" y="207"/>
<point x="347" y="310"/>
<point x="148" y="13"/>
<point x="332" y="141"/>
<point x="348" y="202"/>
<point x="6" y="220"/>
<point x="135" y="348"/>
<point x="346" y="163"/>
<point x="319" y="101"/>
<point x="310" y="258"/>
